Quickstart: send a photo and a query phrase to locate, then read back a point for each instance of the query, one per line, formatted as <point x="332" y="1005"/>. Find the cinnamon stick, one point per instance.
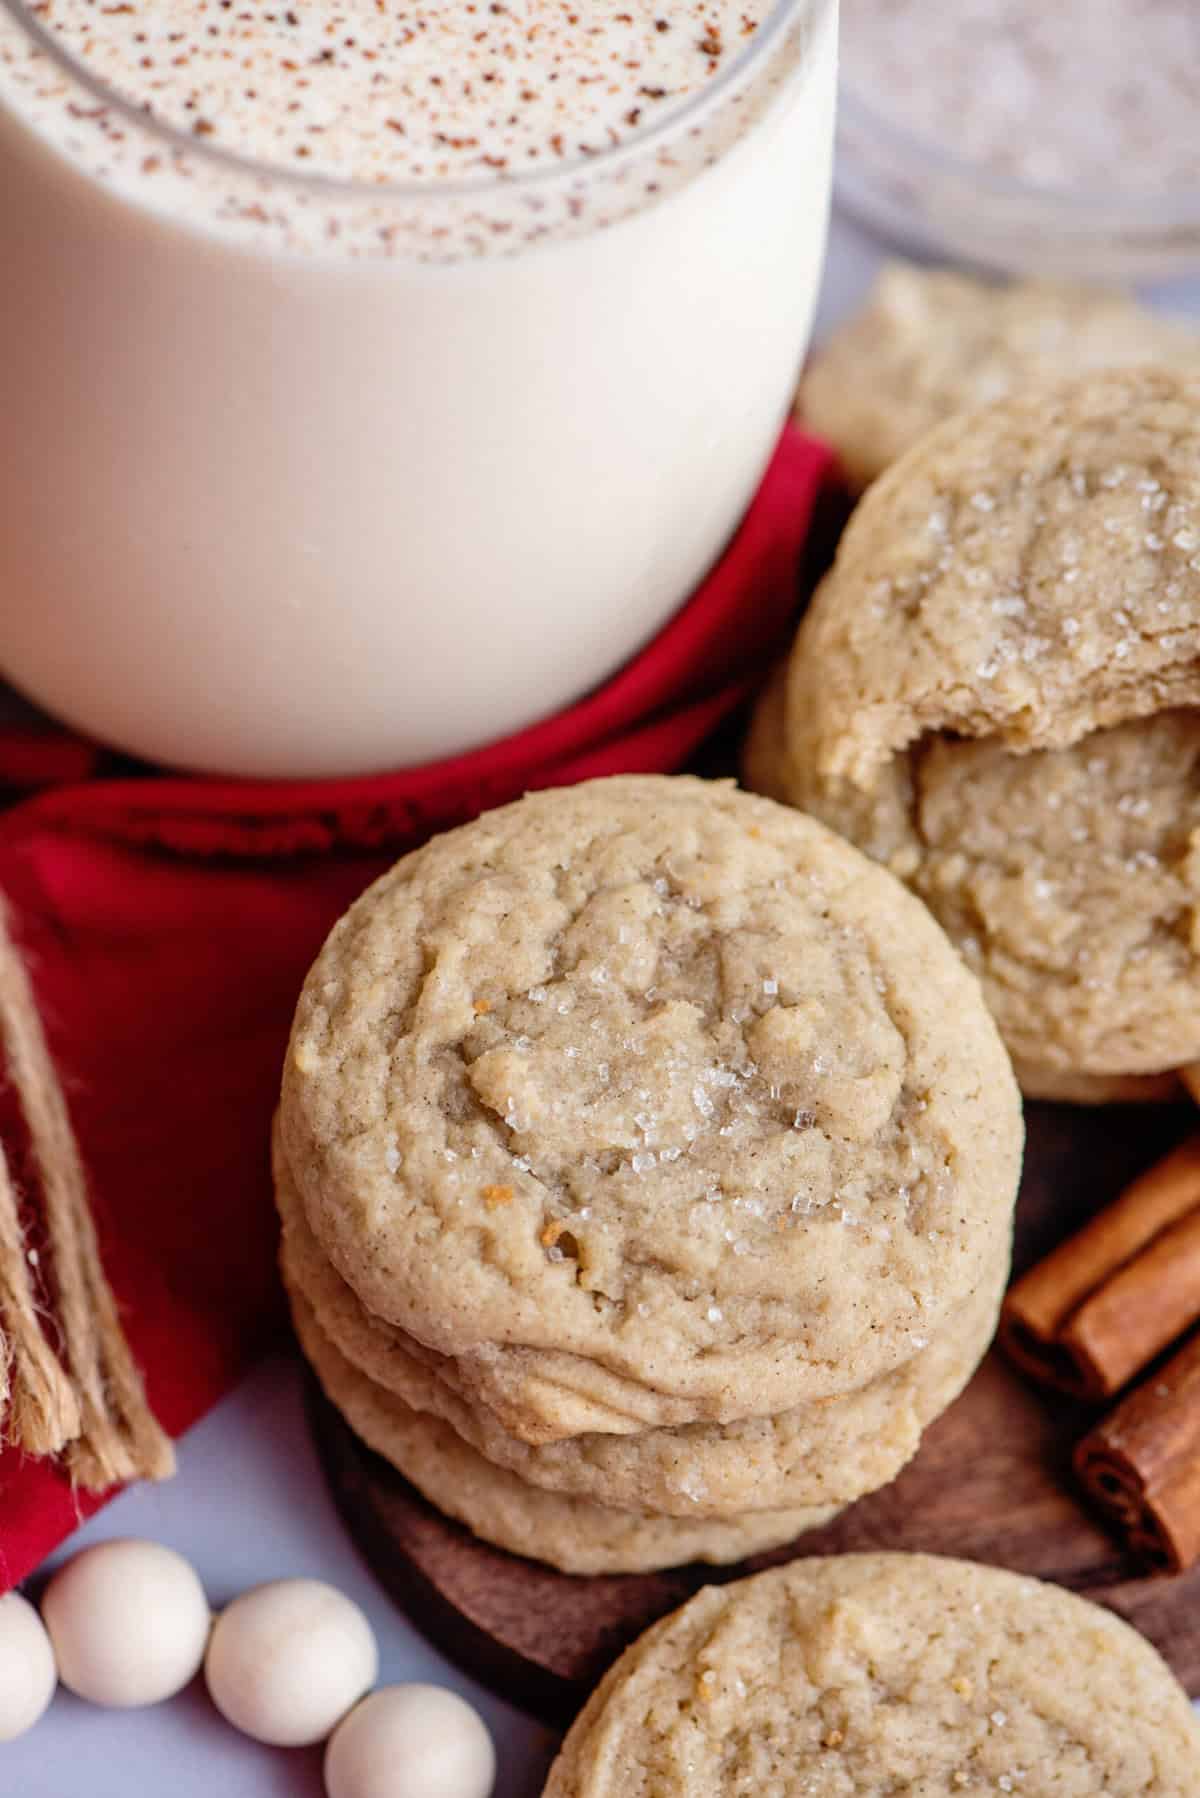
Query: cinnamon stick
<point x="1108" y="1300"/>
<point x="1141" y="1466"/>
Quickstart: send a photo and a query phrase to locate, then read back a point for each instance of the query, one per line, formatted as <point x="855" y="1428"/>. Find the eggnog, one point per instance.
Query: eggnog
<point x="376" y="377"/>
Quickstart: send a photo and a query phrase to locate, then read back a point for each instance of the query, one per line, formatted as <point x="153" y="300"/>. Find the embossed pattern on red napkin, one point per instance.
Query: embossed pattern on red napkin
<point x="169" y="921"/>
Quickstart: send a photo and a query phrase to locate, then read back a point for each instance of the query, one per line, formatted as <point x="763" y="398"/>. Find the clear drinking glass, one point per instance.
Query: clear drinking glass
<point x="307" y="477"/>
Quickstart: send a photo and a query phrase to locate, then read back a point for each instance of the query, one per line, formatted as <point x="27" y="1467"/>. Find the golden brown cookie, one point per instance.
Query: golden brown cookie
<point x="572" y="1534"/>
<point x="930" y="343"/>
<point x="994" y="693"/>
<point x="829" y="1452"/>
<point x="881" y="1675"/>
<point x="649" y="1102"/>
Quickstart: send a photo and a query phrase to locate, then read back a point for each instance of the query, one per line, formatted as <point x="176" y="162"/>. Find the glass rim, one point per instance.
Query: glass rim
<point x="347" y="188"/>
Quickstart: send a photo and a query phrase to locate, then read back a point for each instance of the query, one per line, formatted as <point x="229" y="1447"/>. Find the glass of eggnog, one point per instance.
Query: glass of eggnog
<point x="376" y="376"/>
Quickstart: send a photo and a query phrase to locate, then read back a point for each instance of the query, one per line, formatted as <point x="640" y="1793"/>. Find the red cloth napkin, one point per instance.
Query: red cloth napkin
<point x="168" y="923"/>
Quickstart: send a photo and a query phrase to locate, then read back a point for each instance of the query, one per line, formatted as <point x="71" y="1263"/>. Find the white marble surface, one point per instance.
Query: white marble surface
<point x="249" y="1504"/>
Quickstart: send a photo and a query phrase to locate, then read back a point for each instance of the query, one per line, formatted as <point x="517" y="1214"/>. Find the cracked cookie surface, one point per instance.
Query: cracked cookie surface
<point x="829" y="1452"/>
<point x="995" y="693"/>
<point x="657" y="1093"/>
<point x="877" y="1675"/>
<point x="573" y="1534"/>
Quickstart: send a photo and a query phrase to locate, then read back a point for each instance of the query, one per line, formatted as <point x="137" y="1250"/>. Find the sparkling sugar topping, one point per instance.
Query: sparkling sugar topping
<point x="1069" y="94"/>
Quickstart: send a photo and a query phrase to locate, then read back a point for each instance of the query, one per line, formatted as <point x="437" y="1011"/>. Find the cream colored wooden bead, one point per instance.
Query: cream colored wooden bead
<point x="129" y="1622"/>
<point x="413" y="1741"/>
<point x="28" y="1675"/>
<point x="288" y="1659"/>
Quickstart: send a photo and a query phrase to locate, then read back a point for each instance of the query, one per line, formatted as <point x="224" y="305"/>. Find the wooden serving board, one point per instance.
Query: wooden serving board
<point x="992" y="1482"/>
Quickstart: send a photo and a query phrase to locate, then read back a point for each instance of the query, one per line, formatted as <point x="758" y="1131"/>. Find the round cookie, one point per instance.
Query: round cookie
<point x="880" y="1674"/>
<point x="830" y="1452"/>
<point x="571" y="1534"/>
<point x="994" y="693"/>
<point x="649" y="1102"/>
<point x="931" y="342"/>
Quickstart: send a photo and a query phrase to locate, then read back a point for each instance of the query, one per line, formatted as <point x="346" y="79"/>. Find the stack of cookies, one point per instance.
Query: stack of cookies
<point x="646" y="1160"/>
